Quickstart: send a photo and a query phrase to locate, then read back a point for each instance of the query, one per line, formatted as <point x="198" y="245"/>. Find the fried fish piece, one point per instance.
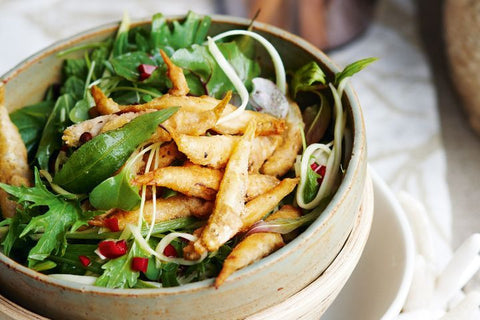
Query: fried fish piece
<point x="104" y="105"/>
<point x="184" y="121"/>
<point x="284" y="156"/>
<point x="226" y="218"/>
<point x="95" y="126"/>
<point x="255" y="246"/>
<point x="14" y="169"/>
<point x="257" y="208"/>
<point x="189" y="252"/>
<point x="174" y="207"/>
<point x="176" y="76"/>
<point x="194" y="181"/>
<point x="202" y="182"/>
<point x="266" y="124"/>
<point x="196" y="122"/>
<point x="214" y="151"/>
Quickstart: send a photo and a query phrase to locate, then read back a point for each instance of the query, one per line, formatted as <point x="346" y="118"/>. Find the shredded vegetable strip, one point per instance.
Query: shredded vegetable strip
<point x="154" y="147"/>
<point x="277" y="61"/>
<point x="169" y="238"/>
<point x="304" y="167"/>
<point x="55" y="187"/>
<point x="333" y="162"/>
<point x="154" y="199"/>
<point x="232" y="75"/>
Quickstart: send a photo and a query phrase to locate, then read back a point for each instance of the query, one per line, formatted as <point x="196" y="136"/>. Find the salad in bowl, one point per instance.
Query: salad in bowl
<point x="167" y="155"/>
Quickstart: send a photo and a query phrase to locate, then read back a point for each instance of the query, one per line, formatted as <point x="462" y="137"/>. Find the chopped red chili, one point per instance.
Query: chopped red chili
<point x="140" y="264"/>
<point x="170" y="251"/>
<point x="84" y="260"/>
<point x="146" y="71"/>
<point x="112" y="249"/>
<point x="320" y="170"/>
<point x="112" y="224"/>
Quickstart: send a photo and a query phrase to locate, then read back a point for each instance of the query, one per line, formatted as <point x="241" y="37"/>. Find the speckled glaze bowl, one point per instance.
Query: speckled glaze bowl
<point x="255" y="288"/>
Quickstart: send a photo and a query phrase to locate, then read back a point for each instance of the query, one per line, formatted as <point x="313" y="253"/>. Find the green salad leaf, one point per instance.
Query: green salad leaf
<point x="100" y="157"/>
<point x="118" y="272"/>
<point x="116" y="192"/>
<point x="352" y="68"/>
<point x="204" y="75"/>
<point x="30" y="121"/>
<point x="51" y="136"/>
<point x="193" y="30"/>
<point x="54" y="223"/>
<point x="305" y="77"/>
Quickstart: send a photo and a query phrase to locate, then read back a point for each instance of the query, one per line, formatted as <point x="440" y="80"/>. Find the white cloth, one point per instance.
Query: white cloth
<point x="399" y="105"/>
<point x="405" y="148"/>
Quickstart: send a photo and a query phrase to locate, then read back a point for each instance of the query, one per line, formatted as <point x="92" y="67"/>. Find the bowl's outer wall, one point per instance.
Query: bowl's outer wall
<point x="248" y="291"/>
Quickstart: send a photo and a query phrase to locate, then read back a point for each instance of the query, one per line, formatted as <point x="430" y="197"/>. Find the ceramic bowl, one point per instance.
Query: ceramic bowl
<point x="257" y="287"/>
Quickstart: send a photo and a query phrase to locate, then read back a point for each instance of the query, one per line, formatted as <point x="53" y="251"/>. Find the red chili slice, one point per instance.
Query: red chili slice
<point x="112" y="249"/>
<point x="112" y="224"/>
<point x="170" y="251"/>
<point x="84" y="260"/>
<point x="140" y="264"/>
<point x="320" y="170"/>
<point x="146" y="71"/>
<point x="314" y="166"/>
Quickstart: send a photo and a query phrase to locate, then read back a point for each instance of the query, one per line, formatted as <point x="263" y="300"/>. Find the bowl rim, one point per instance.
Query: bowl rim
<point x="358" y="152"/>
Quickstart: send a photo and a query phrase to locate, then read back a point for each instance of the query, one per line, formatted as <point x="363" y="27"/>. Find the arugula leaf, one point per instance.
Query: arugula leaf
<point x="56" y="123"/>
<point x="30" y="121"/>
<point x="13" y="233"/>
<point x="126" y="65"/>
<point x="204" y="75"/>
<point x="352" y="68"/>
<point x="70" y="263"/>
<point x="168" y="277"/>
<point x="54" y="223"/>
<point x="118" y="272"/>
<point x="74" y="86"/>
<point x="99" y="56"/>
<point x="193" y="30"/>
<point x="121" y="41"/>
<point x="75" y="67"/>
<point x="306" y="76"/>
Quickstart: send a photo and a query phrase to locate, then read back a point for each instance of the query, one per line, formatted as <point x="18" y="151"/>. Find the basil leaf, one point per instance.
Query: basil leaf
<point x="100" y="157"/>
<point x="51" y="136"/>
<point x="353" y="68"/>
<point x="306" y="76"/>
<point x="30" y="121"/>
<point x="116" y="192"/>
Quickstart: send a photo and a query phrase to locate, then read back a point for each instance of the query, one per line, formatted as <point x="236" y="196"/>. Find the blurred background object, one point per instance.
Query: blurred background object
<point x="462" y="35"/>
<point x="325" y="23"/>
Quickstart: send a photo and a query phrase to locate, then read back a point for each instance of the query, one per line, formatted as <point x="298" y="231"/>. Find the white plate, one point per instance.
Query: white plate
<point x="379" y="285"/>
